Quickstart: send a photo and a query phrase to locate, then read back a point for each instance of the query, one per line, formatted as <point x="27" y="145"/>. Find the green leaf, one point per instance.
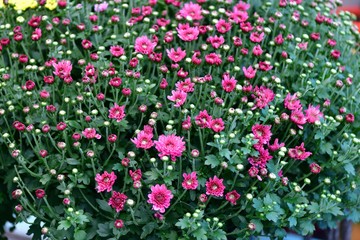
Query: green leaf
<point x="306" y="227"/>
<point x="212" y="160"/>
<point x="151" y="175"/>
<point x="64" y="225"/>
<point x="349" y="168"/>
<point x="183" y="223"/>
<point x="225" y="153"/>
<point x="147" y="229"/>
<point x="200" y="234"/>
<point x="72" y="161"/>
<point x="314" y="207"/>
<point x="103" y="229"/>
<point x="326" y="148"/>
<point x="45" y="178"/>
<point x="272" y="216"/>
<point x="80" y="235"/>
<point x="258" y="225"/>
<point x="257" y="204"/>
<point x="218" y="234"/>
<point x="104" y="205"/>
<point x="292" y="221"/>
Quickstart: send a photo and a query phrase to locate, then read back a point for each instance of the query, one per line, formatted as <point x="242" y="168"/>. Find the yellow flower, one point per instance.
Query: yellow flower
<point x="51" y="4"/>
<point x="23" y="4"/>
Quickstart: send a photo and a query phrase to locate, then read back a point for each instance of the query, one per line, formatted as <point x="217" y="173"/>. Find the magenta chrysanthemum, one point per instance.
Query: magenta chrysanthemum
<point x="190" y="181"/>
<point x="117" y="201"/>
<point x="105" y="181"/>
<point x="170" y="145"/>
<point x="160" y="197"/>
<point x="117" y="112"/>
<point x="215" y="187"/>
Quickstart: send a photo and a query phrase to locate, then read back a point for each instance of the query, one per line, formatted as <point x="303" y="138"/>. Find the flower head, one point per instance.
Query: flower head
<point x="117" y="201"/>
<point x="62" y="68"/>
<point x="215" y="187"/>
<point x="232" y="197"/>
<point x="117" y="112"/>
<point x="170" y="145"/>
<point x="160" y="197"/>
<point x="190" y="181"/>
<point x="299" y="152"/>
<point x="105" y="181"/>
<point x="144" y="45"/>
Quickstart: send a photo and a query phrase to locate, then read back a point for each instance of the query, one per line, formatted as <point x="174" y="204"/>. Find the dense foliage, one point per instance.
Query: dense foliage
<point x="180" y="120"/>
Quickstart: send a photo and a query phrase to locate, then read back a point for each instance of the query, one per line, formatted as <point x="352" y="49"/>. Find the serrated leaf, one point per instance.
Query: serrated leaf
<point x="314" y="207"/>
<point x="272" y="216"/>
<point x="212" y="160"/>
<point x="147" y="229"/>
<point x="103" y="229"/>
<point x="64" y="225"/>
<point x="45" y="178"/>
<point x="80" y="235"/>
<point x="292" y="221"/>
<point x="306" y="227"/>
<point x="104" y="205"/>
<point x="225" y="153"/>
<point x="349" y="168"/>
<point x="257" y="204"/>
<point x="183" y="223"/>
<point x="200" y="234"/>
<point x="151" y="175"/>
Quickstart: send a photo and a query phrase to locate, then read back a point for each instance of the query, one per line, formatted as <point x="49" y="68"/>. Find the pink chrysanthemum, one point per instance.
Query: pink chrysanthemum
<point x="191" y="10"/>
<point x="249" y="72"/>
<point x="228" y="83"/>
<point x="178" y="97"/>
<point x="222" y="26"/>
<point x="186" y="86"/>
<point x="143" y="140"/>
<point x="90" y="133"/>
<point x="315" y="168"/>
<point x="263" y="96"/>
<point x="117" y="201"/>
<point x="213" y="59"/>
<point x="215" y="187"/>
<point x="62" y="68"/>
<point x="176" y="55"/>
<point x="144" y="45"/>
<point x="292" y="102"/>
<point x="170" y="145"/>
<point x="188" y="34"/>
<point x="203" y="119"/>
<point x="105" y="181"/>
<point x="298" y="117"/>
<point x="299" y="152"/>
<point x="217" y="125"/>
<point x="232" y="197"/>
<point x="117" y="112"/>
<point x="216" y="41"/>
<point x="160" y="197"/>
<point x="313" y="114"/>
<point x="117" y="51"/>
<point x="190" y="181"/>
<point x="262" y="133"/>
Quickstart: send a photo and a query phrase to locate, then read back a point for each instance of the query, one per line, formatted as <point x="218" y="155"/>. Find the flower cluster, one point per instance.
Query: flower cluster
<point x="124" y="117"/>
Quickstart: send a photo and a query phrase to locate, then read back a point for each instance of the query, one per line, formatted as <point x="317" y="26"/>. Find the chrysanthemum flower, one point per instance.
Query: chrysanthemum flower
<point x="215" y="187"/>
<point x="170" y="145"/>
<point x="105" y="181"/>
<point x="190" y="181"/>
<point x="160" y="197"/>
